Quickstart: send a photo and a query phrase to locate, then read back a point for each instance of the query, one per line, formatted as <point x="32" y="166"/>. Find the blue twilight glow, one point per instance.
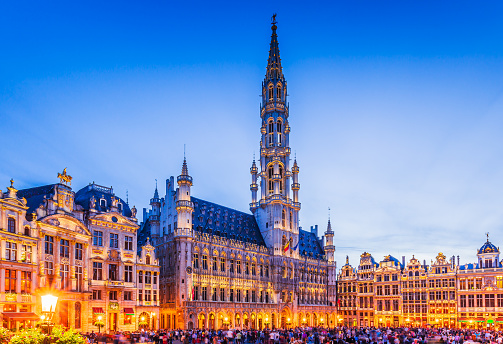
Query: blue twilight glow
<point x="396" y="109"/>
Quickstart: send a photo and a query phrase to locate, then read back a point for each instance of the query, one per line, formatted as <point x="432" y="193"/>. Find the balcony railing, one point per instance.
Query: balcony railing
<point x="184" y="204"/>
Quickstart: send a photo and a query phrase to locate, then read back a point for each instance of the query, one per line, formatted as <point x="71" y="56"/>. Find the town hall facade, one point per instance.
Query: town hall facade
<point x="222" y="268"/>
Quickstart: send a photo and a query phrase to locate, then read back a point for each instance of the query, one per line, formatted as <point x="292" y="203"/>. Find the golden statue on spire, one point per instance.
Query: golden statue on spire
<point x="273" y="19"/>
<point x="65" y="178"/>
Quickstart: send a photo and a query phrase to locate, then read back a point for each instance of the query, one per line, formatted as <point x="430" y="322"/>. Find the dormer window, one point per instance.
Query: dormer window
<point x="103" y="203"/>
<point x="119" y="207"/>
<point x="147" y="259"/>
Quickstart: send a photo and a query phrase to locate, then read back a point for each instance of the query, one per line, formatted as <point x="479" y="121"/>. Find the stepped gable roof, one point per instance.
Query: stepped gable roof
<point x="222" y="221"/>
<point x="309" y="245"/>
<point x="83" y="196"/>
<point x="35" y="196"/>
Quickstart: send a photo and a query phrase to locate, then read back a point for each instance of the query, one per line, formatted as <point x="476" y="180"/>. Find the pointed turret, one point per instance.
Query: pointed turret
<point x="254" y="185"/>
<point x="184" y="205"/>
<point x="154" y="218"/>
<point x="274" y="70"/>
<point x="329" y="237"/>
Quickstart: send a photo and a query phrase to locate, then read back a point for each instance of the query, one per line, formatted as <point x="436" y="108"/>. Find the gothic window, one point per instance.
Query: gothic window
<point x="291" y="219"/>
<point x="271" y="183"/>
<point x="278" y="93"/>
<point x="271" y="93"/>
<point x="279" y="126"/>
<point x="283" y="218"/>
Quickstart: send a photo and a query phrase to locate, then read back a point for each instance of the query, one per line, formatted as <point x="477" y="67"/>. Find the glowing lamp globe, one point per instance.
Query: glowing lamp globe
<point x="49" y="303"/>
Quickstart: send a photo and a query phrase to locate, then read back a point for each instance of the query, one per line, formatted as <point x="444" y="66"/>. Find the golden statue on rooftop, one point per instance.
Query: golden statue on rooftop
<point x="65" y="178"/>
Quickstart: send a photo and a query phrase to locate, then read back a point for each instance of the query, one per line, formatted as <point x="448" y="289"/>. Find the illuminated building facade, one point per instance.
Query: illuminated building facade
<point x="387" y="298"/>
<point x="225" y="268"/>
<point x="480" y="290"/>
<point x="81" y="247"/>
<point x="18" y="261"/>
<point x="442" y="294"/>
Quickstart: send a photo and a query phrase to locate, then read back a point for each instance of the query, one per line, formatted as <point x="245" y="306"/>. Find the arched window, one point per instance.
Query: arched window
<point x="281" y="180"/>
<point x="271" y="93"/>
<point x="291" y="219"/>
<point x="279" y="129"/>
<point x="147" y="259"/>
<point x="11" y="225"/>
<point x="271" y="183"/>
<point x="283" y="218"/>
<point x="278" y="93"/>
<point x="270" y="128"/>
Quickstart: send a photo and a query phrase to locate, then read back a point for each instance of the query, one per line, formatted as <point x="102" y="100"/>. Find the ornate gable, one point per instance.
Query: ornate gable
<point x="66" y="222"/>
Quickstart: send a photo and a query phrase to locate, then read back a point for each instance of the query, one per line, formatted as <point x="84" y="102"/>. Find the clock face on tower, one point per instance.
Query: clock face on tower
<point x="189" y="270"/>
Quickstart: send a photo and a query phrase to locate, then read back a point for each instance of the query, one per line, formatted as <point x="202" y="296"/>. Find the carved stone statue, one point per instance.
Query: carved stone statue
<point x="133" y="211"/>
<point x="92" y="202"/>
<point x="115" y="202"/>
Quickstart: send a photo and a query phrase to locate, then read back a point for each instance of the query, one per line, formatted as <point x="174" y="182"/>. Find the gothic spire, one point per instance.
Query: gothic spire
<point x="274" y="70"/>
<point x="156" y="193"/>
<point x="185" y="170"/>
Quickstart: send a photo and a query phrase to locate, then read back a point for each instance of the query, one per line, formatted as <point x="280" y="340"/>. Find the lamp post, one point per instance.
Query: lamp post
<point x="48" y="309"/>
<point x="99" y="323"/>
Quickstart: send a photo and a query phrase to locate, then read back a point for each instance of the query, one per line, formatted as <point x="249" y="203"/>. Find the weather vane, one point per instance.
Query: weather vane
<point x="487" y="235"/>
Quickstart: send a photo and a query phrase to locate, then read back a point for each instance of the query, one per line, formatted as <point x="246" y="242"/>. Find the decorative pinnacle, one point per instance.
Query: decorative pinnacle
<point x="11" y="182"/>
<point x="156" y="193"/>
<point x="487" y="235"/>
<point x="185" y="170"/>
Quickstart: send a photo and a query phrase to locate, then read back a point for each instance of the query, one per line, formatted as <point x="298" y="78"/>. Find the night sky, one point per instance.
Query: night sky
<point x="396" y="109"/>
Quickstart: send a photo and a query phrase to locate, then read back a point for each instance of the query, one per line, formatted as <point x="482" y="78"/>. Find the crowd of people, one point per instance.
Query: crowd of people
<point x="340" y="335"/>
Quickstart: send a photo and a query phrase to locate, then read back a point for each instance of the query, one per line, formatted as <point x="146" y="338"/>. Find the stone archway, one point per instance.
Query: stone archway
<point x="201" y="321"/>
<point x="212" y="322"/>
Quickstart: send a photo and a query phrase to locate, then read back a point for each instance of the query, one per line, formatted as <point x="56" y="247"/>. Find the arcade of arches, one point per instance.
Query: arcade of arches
<point x="223" y="319"/>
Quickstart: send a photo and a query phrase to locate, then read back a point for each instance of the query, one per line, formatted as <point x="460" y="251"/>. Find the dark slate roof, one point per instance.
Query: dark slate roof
<point x="309" y="245"/>
<point x="488" y="248"/>
<point x="218" y="220"/>
<point x="143" y="233"/>
<point x="35" y="196"/>
<point x="83" y="196"/>
<point x="468" y="266"/>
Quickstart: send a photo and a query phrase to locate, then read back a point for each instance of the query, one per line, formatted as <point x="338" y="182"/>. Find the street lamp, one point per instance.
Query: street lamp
<point x="99" y="323"/>
<point x="48" y="309"/>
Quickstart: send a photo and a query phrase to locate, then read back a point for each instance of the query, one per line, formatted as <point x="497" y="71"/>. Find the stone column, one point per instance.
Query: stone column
<point x="2" y="280"/>
<point x="18" y="282"/>
<point x="73" y="279"/>
<point x="2" y="249"/>
<point x="87" y="267"/>
<point x="57" y="261"/>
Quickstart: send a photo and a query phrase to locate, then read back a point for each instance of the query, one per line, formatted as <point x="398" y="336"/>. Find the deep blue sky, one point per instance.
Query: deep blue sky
<point x="396" y="108"/>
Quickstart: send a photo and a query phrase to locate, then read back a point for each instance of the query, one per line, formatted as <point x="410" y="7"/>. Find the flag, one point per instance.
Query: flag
<point x="296" y="246"/>
<point x="192" y="290"/>
<point x="287" y="246"/>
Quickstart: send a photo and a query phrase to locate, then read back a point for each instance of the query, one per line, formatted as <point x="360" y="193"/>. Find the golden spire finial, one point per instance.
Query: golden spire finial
<point x="487" y="235"/>
<point x="12" y="182"/>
